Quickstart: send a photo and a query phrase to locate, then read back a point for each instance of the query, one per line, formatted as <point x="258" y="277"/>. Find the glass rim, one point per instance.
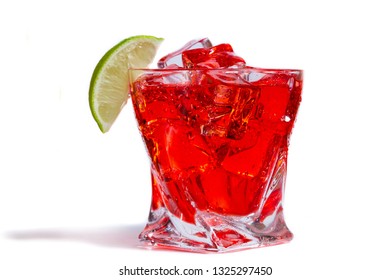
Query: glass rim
<point x="232" y="70"/>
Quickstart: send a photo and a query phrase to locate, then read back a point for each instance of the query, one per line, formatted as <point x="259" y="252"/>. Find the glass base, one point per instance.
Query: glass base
<point x="213" y="232"/>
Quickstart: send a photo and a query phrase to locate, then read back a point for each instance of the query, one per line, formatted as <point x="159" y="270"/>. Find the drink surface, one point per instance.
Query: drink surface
<point x="216" y="136"/>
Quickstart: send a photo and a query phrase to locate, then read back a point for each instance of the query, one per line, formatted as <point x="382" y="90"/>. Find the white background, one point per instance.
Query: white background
<point x="73" y="200"/>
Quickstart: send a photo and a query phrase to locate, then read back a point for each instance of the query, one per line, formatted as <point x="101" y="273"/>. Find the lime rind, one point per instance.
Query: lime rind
<point x="109" y="86"/>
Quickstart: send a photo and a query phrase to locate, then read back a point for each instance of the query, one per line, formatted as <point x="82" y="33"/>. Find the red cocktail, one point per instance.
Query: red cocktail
<point x="217" y="137"/>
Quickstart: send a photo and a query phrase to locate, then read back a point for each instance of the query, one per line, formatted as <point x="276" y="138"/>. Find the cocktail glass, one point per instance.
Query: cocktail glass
<point x="218" y="143"/>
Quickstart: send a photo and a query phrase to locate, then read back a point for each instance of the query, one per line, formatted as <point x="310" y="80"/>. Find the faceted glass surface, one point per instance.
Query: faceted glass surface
<point x="218" y="143"/>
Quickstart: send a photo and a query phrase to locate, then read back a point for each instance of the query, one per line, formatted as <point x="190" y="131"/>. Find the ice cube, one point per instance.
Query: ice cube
<point x="212" y="129"/>
<point x="253" y="154"/>
<point x="232" y="104"/>
<point x="251" y="76"/>
<point x="216" y="113"/>
<point x="228" y="77"/>
<point x="223" y="94"/>
<point x="220" y="56"/>
<point x="174" y="59"/>
<point x="174" y="145"/>
<point x="176" y="78"/>
<point x="219" y="111"/>
<point x="244" y="109"/>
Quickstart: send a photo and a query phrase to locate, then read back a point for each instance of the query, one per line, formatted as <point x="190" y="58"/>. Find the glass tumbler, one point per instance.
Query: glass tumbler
<point x="218" y="141"/>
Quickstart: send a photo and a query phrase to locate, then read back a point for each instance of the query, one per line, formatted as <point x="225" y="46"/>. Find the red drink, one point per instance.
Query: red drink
<point x="218" y="142"/>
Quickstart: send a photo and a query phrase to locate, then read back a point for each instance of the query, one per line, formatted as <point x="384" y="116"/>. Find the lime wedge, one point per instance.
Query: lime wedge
<point x="109" y="87"/>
